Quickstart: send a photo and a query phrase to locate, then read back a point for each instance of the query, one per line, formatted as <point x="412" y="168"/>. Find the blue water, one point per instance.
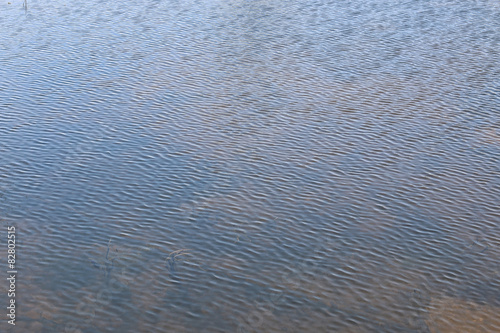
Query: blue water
<point x="252" y="166"/>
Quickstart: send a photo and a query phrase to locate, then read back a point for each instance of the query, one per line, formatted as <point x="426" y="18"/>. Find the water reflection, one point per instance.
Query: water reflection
<point x="234" y="166"/>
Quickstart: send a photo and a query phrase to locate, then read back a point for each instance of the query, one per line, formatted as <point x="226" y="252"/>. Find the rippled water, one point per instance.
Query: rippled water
<point x="252" y="166"/>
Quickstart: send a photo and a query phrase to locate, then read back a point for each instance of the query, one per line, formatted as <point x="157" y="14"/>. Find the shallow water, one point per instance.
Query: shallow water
<point x="252" y="166"/>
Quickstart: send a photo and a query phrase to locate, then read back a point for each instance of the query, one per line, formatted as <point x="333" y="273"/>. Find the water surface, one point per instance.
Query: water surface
<point x="252" y="166"/>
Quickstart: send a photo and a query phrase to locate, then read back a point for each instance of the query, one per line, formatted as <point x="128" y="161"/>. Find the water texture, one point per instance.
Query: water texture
<point x="252" y="166"/>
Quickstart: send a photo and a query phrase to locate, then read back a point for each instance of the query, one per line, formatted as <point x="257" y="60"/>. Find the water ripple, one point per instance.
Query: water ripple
<point x="225" y="166"/>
